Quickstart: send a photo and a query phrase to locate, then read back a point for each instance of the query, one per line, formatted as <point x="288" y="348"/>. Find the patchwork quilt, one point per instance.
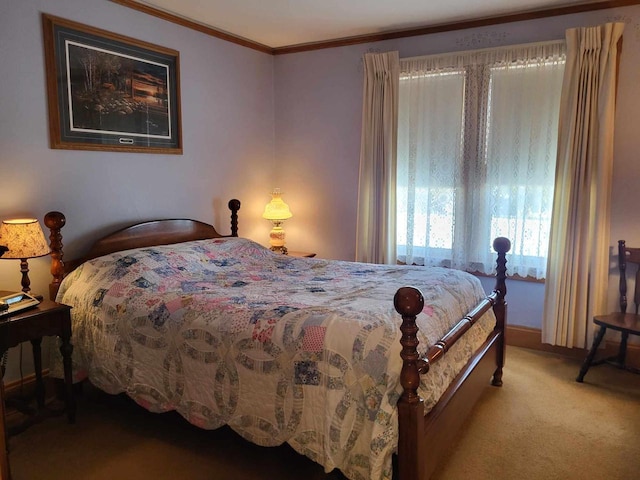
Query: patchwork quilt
<point x="298" y="350"/>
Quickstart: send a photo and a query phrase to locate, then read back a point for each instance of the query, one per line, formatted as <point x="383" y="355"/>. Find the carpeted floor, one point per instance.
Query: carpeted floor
<point x="540" y="425"/>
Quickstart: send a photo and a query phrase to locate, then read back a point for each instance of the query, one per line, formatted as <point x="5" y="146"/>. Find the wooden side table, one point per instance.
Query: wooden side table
<point x="47" y="319"/>
<point x="5" y="473"/>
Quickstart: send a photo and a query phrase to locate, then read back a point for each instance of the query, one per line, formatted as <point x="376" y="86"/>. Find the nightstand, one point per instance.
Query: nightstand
<point x="293" y="253"/>
<point x="47" y="319"/>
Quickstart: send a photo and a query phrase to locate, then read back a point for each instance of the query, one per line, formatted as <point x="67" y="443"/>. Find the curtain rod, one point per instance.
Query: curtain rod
<point x="480" y="50"/>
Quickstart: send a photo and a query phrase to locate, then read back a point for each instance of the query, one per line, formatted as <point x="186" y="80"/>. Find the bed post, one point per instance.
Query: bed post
<point x="502" y="246"/>
<point x="54" y="222"/>
<point x="234" y="206"/>
<point x="409" y="302"/>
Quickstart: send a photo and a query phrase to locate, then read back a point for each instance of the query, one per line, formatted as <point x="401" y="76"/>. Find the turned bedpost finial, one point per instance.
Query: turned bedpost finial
<point x="409" y="302"/>
<point x="234" y="206"/>
<point x="54" y="222"/>
<point x="501" y="245"/>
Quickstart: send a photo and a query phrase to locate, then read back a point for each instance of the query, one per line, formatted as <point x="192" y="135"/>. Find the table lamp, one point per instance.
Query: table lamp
<point x="277" y="211"/>
<point x="24" y="239"/>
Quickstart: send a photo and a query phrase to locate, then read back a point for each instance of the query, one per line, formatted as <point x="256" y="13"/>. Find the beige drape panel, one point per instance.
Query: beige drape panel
<point x="577" y="271"/>
<point x="375" y="230"/>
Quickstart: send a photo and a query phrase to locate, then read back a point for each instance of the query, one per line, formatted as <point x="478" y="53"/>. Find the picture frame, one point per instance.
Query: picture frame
<point x="110" y="92"/>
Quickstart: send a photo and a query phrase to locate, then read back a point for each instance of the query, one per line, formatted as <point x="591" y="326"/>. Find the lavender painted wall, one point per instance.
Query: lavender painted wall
<point x="228" y="136"/>
<point x="227" y="120"/>
<point x="318" y="100"/>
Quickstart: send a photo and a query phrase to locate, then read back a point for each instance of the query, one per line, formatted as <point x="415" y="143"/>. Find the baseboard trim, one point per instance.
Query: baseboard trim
<point x="25" y="386"/>
<point x="531" y="338"/>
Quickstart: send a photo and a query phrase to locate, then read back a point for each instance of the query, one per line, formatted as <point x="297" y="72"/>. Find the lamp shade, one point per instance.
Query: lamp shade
<point x="276" y="209"/>
<point x="24" y="238"/>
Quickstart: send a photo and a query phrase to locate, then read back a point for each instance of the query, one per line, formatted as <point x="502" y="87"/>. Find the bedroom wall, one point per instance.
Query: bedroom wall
<point x="318" y="120"/>
<point x="228" y="137"/>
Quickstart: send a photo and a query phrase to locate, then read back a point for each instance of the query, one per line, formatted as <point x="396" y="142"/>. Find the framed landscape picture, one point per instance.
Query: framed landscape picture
<point x="110" y="92"/>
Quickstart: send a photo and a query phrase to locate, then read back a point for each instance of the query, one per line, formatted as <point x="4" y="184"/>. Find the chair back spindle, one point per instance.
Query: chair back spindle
<point x="628" y="255"/>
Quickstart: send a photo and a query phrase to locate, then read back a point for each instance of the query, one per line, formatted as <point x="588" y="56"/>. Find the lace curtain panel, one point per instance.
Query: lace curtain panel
<point x="477" y="139"/>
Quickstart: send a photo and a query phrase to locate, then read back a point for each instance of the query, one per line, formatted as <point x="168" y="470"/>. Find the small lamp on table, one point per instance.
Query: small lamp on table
<point x="277" y="211"/>
<point x="24" y="239"/>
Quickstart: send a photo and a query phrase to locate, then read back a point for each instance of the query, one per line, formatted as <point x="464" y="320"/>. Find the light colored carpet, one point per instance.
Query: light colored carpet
<point x="540" y="425"/>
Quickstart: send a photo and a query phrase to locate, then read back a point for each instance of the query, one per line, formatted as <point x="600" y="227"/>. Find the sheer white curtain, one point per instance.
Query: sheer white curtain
<point x="376" y="227"/>
<point x="576" y="287"/>
<point x="476" y="156"/>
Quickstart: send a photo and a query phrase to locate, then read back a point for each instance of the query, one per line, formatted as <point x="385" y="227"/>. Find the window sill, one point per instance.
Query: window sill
<point x="512" y="277"/>
<point x="509" y="277"/>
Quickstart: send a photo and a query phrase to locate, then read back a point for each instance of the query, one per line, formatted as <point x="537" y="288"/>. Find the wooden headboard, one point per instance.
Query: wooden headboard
<point x="139" y="235"/>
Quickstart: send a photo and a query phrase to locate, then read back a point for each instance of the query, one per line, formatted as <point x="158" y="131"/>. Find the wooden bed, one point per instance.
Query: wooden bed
<point x="423" y="439"/>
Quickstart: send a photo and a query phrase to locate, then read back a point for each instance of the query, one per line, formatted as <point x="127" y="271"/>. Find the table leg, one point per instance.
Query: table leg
<point x="66" y="349"/>
<point x="36" y="344"/>
<point x="5" y="473"/>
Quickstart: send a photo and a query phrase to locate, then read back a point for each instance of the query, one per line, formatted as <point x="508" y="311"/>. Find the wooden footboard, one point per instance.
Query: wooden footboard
<point x="424" y="439"/>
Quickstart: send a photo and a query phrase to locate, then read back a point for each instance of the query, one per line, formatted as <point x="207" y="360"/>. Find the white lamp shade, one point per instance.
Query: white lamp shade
<point x="24" y="238"/>
<point x="276" y="209"/>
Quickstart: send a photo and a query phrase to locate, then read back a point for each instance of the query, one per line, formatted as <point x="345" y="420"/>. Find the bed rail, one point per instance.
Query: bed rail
<point x="409" y="302"/>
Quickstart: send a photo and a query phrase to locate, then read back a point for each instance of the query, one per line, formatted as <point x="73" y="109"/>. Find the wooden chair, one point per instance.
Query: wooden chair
<point x="623" y="322"/>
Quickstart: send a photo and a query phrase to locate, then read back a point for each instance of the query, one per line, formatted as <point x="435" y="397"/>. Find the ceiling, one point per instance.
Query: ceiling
<point x="283" y="23"/>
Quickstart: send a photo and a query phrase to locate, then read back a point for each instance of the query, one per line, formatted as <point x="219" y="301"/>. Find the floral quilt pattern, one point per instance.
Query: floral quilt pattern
<point x="281" y="349"/>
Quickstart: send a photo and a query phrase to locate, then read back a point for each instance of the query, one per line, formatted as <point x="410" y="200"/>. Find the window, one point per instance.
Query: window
<point x="477" y="135"/>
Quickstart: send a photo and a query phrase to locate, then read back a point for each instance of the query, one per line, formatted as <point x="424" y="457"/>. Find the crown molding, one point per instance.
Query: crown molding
<point x="170" y="17"/>
<point x="448" y="27"/>
<point x="377" y="37"/>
